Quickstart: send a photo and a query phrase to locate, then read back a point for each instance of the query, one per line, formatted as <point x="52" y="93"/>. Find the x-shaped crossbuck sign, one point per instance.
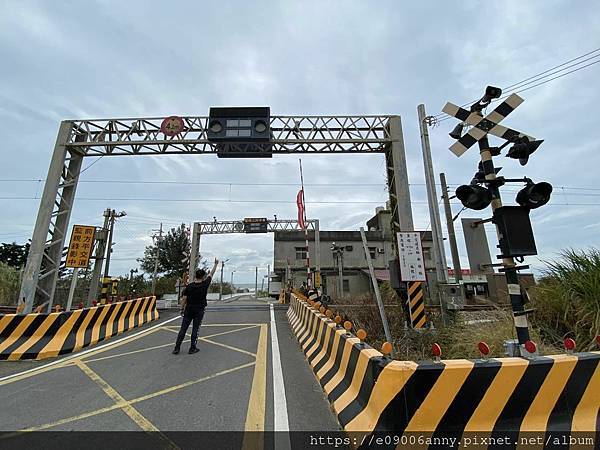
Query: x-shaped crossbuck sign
<point x="484" y="125"/>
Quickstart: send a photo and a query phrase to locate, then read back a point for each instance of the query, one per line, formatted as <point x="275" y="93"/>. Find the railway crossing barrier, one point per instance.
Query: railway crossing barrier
<point x="40" y="336"/>
<point x="372" y="394"/>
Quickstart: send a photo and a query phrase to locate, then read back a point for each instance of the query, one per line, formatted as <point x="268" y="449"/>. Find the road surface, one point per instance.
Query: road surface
<point x="134" y="383"/>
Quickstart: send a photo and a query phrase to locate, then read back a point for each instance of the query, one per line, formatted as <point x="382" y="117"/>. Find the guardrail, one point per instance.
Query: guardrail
<point x="373" y="394"/>
<point x="40" y="336"/>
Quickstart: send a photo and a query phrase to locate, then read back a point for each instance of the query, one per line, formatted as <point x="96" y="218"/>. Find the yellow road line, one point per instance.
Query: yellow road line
<point x="220" y="344"/>
<point x="235" y="349"/>
<point x="255" y="415"/>
<point x="134" y="414"/>
<point x="68" y="362"/>
<point x="159" y="346"/>
<point x="137" y="400"/>
<point x="126" y="407"/>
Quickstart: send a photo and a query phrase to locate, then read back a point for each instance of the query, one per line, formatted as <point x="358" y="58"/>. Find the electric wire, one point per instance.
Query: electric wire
<point x="516" y="87"/>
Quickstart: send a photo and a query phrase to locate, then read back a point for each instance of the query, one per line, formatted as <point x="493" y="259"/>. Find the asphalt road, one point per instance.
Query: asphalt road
<point x="134" y="383"/>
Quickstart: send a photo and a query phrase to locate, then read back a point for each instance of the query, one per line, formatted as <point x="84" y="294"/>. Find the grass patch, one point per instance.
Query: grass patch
<point x="567" y="299"/>
<point x="458" y="339"/>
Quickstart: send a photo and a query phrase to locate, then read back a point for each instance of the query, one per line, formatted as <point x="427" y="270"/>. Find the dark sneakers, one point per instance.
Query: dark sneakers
<point x="193" y="350"/>
<point x="176" y="351"/>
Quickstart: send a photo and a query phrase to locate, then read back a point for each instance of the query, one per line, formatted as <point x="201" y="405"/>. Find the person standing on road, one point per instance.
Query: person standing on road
<point x="193" y="304"/>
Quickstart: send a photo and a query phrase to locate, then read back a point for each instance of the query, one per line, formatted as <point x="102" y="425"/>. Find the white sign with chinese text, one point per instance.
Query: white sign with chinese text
<point x="412" y="264"/>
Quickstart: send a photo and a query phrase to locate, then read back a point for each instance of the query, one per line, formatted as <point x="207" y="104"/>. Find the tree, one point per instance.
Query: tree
<point x="9" y="284"/>
<point x="14" y="255"/>
<point x="172" y="251"/>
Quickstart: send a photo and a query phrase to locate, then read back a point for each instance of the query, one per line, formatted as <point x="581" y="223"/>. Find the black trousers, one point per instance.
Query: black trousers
<point x="194" y="315"/>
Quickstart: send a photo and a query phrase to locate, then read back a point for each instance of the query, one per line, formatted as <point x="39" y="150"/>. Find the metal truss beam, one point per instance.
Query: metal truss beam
<point x="142" y="136"/>
<point x="237" y="226"/>
<point x="45" y="254"/>
<point x="290" y="134"/>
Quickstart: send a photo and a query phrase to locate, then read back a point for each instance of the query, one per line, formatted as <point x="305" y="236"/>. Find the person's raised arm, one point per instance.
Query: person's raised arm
<point x="214" y="269"/>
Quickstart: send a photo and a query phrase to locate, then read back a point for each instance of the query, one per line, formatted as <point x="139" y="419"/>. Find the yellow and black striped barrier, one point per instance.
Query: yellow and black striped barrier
<point x="39" y="336"/>
<point x="373" y="394"/>
<point x="416" y="304"/>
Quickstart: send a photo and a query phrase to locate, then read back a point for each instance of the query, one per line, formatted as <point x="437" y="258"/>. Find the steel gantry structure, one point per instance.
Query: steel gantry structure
<point x="78" y="139"/>
<point x="237" y="226"/>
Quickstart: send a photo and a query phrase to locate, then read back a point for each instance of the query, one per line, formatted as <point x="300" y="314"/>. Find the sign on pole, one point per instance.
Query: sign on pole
<point x="412" y="266"/>
<point x="81" y="245"/>
<point x="412" y="271"/>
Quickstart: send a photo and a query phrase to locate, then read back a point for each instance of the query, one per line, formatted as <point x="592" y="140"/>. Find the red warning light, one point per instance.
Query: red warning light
<point x="530" y="346"/>
<point x="436" y="350"/>
<point x="570" y="344"/>
<point x="483" y="348"/>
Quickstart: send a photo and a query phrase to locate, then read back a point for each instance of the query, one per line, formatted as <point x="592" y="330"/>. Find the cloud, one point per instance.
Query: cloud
<point x="319" y="58"/>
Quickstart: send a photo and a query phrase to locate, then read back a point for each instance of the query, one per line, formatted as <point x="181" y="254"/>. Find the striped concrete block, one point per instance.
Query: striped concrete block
<point x="39" y="336"/>
<point x="373" y="394"/>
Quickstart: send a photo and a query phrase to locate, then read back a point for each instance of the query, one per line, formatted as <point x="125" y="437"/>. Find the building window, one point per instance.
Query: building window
<point x="373" y="252"/>
<point x="346" y="285"/>
<point x="300" y="252"/>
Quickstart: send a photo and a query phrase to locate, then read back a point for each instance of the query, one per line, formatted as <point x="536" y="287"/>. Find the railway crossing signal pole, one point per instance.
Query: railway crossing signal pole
<point x="512" y="222"/>
<point x="509" y="267"/>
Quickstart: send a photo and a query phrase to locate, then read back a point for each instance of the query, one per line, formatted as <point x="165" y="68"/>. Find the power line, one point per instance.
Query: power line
<point x="217" y="183"/>
<point x="515" y="87"/>
<point x="345" y="202"/>
<point x="535" y="85"/>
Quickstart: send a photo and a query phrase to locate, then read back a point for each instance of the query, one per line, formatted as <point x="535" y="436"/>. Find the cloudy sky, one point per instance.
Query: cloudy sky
<point x="103" y="59"/>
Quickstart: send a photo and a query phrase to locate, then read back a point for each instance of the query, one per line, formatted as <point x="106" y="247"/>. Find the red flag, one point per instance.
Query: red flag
<point x="300" y="203"/>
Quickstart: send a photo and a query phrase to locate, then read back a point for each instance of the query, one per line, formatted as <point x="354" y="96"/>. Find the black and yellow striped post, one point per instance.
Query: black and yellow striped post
<point x="416" y="304"/>
<point x="104" y="290"/>
<point x="114" y="286"/>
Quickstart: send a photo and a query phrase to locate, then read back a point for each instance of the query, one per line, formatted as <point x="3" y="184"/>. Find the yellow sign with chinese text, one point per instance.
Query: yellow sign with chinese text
<point x="81" y="245"/>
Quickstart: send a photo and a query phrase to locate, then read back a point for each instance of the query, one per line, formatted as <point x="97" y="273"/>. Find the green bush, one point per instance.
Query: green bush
<point x="567" y="298"/>
<point x="9" y="284"/>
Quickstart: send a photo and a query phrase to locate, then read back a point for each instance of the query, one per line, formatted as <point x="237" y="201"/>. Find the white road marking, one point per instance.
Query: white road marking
<point x="280" y="414"/>
<point x="92" y="349"/>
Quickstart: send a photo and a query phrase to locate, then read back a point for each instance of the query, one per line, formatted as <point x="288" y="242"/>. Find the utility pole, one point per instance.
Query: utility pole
<point x="112" y="218"/>
<point x="451" y="233"/>
<point x="232" y="272"/>
<point x="256" y="284"/>
<point x="268" y="278"/>
<point x="131" y="272"/>
<point x="72" y="288"/>
<point x="156" y="259"/>
<point x="221" y="285"/>
<point x="439" y="254"/>
<point x="100" y="251"/>
<point x="338" y="254"/>
<point x="384" y="321"/>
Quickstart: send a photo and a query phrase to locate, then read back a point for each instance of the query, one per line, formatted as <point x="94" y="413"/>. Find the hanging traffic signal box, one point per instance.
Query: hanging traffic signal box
<point x="242" y="132"/>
